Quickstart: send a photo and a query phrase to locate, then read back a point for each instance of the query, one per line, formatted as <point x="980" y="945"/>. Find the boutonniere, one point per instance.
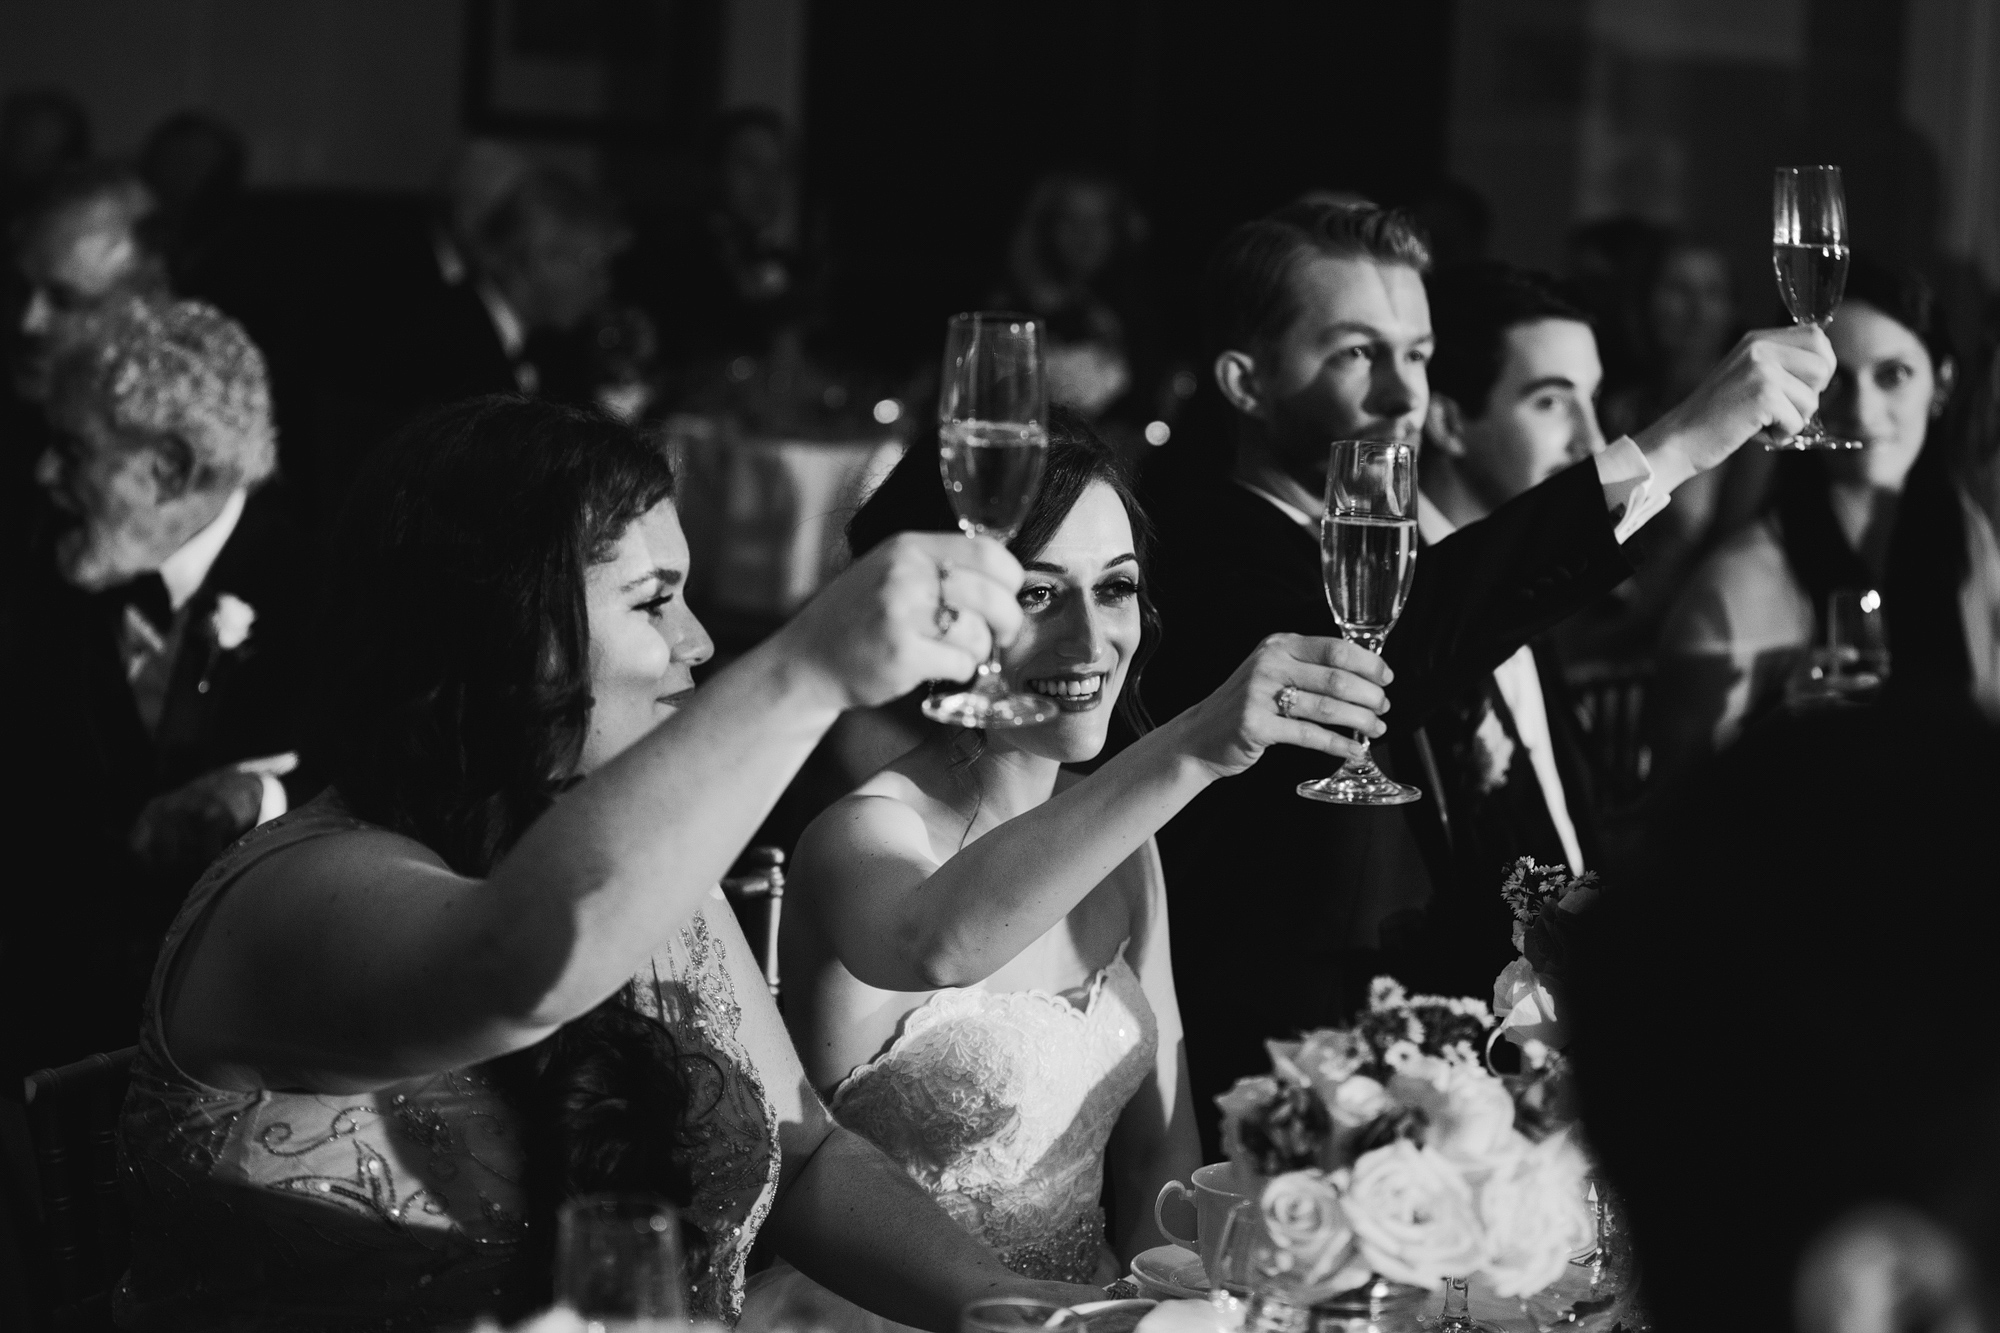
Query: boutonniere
<point x="230" y="623"/>
<point x="1493" y="748"/>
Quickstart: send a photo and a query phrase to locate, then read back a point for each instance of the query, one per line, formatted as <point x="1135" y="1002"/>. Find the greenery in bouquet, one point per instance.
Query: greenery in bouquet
<point x="1548" y="903"/>
<point x="1391" y="1149"/>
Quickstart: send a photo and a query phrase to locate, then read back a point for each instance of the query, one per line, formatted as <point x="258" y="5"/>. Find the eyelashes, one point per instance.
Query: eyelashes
<point x="1115" y="592"/>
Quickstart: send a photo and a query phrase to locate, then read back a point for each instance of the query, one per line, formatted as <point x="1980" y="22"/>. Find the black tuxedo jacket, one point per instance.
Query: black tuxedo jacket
<point x="1277" y="900"/>
<point x="88" y="766"/>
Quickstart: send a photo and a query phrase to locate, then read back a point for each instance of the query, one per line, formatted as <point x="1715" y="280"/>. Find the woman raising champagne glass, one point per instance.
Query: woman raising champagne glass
<point x="976" y="948"/>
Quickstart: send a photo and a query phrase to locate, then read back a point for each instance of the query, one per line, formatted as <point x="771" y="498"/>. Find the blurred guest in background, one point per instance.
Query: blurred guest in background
<point x="1074" y="260"/>
<point x="1611" y="266"/>
<point x="1832" y="889"/>
<point x="44" y="132"/>
<point x="1739" y="634"/>
<point x="1511" y="405"/>
<point x="744" y="277"/>
<point x="546" y="252"/>
<point x="87" y="243"/>
<point x="164" y="646"/>
<point x="196" y="165"/>
<point x="1323" y="331"/>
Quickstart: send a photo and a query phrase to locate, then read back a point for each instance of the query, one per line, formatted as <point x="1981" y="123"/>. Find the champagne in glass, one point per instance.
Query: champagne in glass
<point x="1809" y="253"/>
<point x="992" y="444"/>
<point x="1368" y="555"/>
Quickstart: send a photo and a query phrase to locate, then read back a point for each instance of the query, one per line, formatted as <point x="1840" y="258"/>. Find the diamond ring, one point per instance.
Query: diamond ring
<point x="1286" y="698"/>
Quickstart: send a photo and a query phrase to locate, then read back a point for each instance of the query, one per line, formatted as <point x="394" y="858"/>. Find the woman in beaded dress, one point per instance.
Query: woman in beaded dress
<point x="976" y="941"/>
<point x="392" y="1030"/>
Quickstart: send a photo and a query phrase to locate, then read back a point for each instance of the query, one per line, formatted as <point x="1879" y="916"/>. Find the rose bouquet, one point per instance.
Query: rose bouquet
<point x="1547" y="902"/>
<point x="1391" y="1150"/>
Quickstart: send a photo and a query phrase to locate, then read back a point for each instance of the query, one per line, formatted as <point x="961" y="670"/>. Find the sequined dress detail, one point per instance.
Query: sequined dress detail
<point x="400" y="1208"/>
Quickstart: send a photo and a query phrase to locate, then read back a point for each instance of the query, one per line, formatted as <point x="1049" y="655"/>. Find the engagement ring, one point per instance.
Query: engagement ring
<point x="1286" y="698"/>
<point x="946" y="614"/>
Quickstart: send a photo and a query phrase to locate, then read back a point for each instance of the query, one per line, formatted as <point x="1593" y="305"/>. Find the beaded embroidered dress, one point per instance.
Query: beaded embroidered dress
<point x="1000" y="1104"/>
<point x="400" y="1208"/>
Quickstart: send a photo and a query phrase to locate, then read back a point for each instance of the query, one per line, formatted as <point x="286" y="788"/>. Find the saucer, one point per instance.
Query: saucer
<point x="1170" y="1272"/>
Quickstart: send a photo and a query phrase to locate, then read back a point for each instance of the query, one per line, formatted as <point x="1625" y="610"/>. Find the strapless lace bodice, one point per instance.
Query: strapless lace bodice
<point x="1001" y="1103"/>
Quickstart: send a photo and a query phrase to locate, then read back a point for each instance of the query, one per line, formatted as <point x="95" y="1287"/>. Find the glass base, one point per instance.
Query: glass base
<point x="976" y="708"/>
<point x="1359" y="783"/>
<point x="1814" y="436"/>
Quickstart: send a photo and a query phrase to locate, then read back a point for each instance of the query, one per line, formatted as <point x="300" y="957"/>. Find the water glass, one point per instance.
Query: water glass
<point x="619" y="1264"/>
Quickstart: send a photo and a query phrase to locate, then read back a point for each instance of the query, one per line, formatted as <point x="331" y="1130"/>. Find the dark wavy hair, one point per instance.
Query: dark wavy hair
<point x="912" y="499"/>
<point x="1816" y="550"/>
<point x="456" y="659"/>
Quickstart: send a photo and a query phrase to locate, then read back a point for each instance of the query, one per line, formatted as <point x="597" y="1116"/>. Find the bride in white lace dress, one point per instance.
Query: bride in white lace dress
<point x="975" y="951"/>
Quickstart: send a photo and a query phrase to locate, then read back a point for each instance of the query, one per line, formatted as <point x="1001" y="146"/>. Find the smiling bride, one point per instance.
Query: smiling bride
<point x="976" y="943"/>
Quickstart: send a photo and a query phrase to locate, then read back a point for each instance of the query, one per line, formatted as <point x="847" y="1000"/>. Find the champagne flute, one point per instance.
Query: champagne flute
<point x="618" y="1263"/>
<point x="1809" y="252"/>
<point x="1367" y="555"/>
<point x="993" y="441"/>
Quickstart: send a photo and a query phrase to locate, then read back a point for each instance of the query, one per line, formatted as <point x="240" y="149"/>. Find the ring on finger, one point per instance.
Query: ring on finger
<point x="944" y="617"/>
<point x="1287" y="696"/>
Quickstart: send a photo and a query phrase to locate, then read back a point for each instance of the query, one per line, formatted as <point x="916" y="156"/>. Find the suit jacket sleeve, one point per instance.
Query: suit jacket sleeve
<point x="1487" y="589"/>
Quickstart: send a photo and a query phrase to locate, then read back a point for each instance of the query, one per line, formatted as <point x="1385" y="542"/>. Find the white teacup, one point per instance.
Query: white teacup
<point x="1215" y="1190"/>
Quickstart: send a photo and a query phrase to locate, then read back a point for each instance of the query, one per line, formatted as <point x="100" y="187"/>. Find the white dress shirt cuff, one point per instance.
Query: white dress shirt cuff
<point x="269" y="769"/>
<point x="1634" y="488"/>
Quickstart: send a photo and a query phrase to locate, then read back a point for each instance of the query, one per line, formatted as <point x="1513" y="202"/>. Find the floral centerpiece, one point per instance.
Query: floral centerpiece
<point x="1547" y="903"/>
<point x="1390" y="1149"/>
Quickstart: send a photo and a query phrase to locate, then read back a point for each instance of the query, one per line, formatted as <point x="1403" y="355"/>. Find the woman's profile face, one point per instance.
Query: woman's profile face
<point x="1080" y="601"/>
<point x="1882" y="394"/>
<point x="644" y="642"/>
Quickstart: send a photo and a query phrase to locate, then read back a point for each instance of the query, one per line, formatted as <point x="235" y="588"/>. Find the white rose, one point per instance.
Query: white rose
<point x="1469" y="1113"/>
<point x="1527" y="1007"/>
<point x="1310" y="1238"/>
<point x="230" y="622"/>
<point x="1536" y="1213"/>
<point x="1414" y="1215"/>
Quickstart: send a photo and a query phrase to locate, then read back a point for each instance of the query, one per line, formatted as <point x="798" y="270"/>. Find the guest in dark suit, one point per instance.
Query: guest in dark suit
<point x="160" y="655"/>
<point x="1513" y="386"/>
<point x="1323" y="331"/>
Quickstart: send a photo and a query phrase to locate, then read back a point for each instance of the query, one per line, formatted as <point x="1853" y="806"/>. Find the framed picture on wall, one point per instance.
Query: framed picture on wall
<point x="591" y="69"/>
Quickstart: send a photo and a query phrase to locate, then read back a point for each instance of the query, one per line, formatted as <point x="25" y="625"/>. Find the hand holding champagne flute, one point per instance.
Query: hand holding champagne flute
<point x="992" y="443"/>
<point x="1809" y="252"/>
<point x="1368" y="555"/>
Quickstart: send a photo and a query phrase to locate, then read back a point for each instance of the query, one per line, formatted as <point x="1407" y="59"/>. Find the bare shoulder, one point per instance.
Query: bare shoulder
<point x="351" y="868"/>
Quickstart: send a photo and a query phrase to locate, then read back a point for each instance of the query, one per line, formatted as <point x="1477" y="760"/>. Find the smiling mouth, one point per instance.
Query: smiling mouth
<point x="1074" y="694"/>
<point x="678" y="698"/>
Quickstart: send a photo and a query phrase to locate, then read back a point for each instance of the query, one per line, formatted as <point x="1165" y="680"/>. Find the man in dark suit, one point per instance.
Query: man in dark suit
<point x="1323" y="331"/>
<point x="1513" y="386"/>
<point x="159" y="660"/>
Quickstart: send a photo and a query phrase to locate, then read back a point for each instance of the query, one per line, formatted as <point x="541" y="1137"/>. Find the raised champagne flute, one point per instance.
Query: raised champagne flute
<point x="1367" y="555"/>
<point x="1809" y="252"/>
<point x="993" y="440"/>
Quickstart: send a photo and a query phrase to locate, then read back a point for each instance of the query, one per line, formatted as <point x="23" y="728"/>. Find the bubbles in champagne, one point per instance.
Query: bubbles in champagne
<point x="991" y="470"/>
<point x="1367" y="564"/>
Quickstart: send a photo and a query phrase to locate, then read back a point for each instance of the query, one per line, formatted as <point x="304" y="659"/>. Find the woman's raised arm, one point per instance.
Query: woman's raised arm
<point x="901" y="921"/>
<point x="358" y="961"/>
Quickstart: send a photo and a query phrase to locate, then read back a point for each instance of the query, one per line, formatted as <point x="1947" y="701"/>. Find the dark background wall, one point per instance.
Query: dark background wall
<point x="927" y="123"/>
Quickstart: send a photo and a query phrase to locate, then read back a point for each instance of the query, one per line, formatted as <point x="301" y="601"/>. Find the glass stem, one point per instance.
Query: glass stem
<point x="987" y="679"/>
<point x="1457" y="1304"/>
<point x="1363" y="764"/>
